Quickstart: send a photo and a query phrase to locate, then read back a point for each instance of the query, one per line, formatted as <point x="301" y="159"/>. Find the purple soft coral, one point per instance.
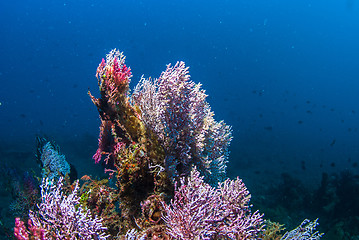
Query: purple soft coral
<point x="199" y="211"/>
<point x="175" y="108"/>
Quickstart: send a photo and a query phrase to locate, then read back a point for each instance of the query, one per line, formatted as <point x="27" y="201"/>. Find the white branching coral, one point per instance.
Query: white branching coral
<point x="305" y="231"/>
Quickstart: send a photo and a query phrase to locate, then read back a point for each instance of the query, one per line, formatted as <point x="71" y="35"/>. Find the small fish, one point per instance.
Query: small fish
<point x="300" y="122"/>
<point x="332" y="143"/>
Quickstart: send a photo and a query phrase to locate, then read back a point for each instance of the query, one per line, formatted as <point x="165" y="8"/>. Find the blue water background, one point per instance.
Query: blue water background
<point x="284" y="74"/>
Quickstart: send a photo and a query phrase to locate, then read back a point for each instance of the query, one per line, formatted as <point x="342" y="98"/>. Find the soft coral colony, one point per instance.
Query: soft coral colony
<point x="168" y="156"/>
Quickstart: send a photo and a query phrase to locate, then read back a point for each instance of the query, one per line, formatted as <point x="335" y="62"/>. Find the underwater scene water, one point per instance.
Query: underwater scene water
<point x="146" y="139"/>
